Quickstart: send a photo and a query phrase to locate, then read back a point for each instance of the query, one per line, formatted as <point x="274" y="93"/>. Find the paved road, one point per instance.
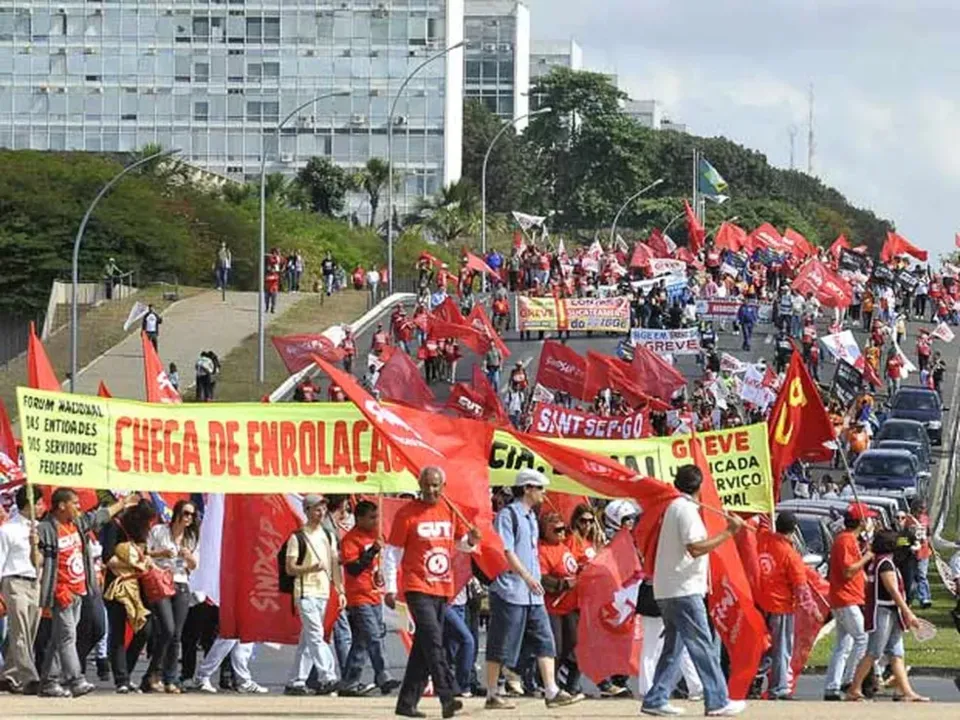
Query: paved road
<point x="201" y="322"/>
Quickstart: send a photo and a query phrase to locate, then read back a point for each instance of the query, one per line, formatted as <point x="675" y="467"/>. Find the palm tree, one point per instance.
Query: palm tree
<point x="450" y="214"/>
<point x="373" y="179"/>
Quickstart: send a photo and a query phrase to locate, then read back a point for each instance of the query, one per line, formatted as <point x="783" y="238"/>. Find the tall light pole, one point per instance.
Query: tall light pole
<point x="648" y="188"/>
<point x="393" y="108"/>
<point x="483" y="175"/>
<point x="75" y="279"/>
<point x="670" y="224"/>
<point x="261" y="339"/>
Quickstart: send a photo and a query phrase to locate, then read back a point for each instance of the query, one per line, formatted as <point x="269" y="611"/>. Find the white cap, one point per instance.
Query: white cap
<point x="619" y="510"/>
<point x="528" y="476"/>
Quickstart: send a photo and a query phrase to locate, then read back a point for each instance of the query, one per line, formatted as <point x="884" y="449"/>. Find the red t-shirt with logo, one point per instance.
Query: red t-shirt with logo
<point x="557" y="560"/>
<point x="361" y="589"/>
<point x="781" y="574"/>
<point x="844" y="553"/>
<point x="428" y="535"/>
<point x="71" y="573"/>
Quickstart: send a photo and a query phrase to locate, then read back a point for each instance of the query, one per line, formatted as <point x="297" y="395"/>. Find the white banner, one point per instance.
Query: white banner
<point x="138" y="310"/>
<point x="943" y="332"/>
<point x="842" y="346"/>
<point x="685" y="341"/>
<point x="754" y="391"/>
<point x="732" y="364"/>
<point x="668" y="266"/>
<point x="728" y="269"/>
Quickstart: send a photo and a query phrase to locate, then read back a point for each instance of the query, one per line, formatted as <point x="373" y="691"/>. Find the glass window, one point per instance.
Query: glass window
<point x="489" y="71"/>
<point x="182" y="67"/>
<point x="342" y="25"/>
<point x="506" y="105"/>
<point x="506" y="70"/>
<point x="380" y="30"/>
<point x="201" y="28"/>
<point x="271" y="69"/>
<point x="200" y="111"/>
<point x="253" y="110"/>
<point x="270" y="111"/>
<point x="254" y="29"/>
<point x="201" y="72"/>
<point x="235" y="107"/>
<point x="218" y="29"/>
<point x="473" y="70"/>
<point x="398" y="27"/>
<point x="254" y="71"/>
<point x="271" y="29"/>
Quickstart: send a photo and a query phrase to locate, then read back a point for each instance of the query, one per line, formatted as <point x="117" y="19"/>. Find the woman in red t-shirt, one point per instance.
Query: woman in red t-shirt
<point x="559" y="569"/>
<point x="583" y="537"/>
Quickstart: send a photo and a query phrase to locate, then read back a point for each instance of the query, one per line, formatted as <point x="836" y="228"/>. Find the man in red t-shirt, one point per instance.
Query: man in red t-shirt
<point x="425" y="536"/>
<point x="783" y="578"/>
<point x="363" y="583"/>
<point x="847" y="587"/>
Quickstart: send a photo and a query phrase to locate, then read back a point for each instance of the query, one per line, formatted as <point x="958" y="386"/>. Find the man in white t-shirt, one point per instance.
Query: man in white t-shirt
<point x="679" y="587"/>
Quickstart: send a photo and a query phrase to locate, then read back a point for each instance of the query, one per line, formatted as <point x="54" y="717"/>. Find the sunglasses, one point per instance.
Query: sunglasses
<point x="560" y="530"/>
<point x="188" y="513"/>
<point x="585" y="521"/>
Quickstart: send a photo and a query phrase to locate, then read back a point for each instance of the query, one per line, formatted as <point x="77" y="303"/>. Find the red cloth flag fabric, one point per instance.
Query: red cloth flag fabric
<point x="103" y="391"/>
<point x="688" y="257"/>
<point x="563" y="504"/>
<point x="646" y="533"/>
<point x="730" y="237"/>
<point x="448" y="312"/>
<point x="899" y="245"/>
<point x="610" y="633"/>
<point x="477" y="265"/>
<point x="609" y="372"/>
<point x="841" y="243"/>
<point x="252" y="608"/>
<point x="799" y="424"/>
<point x="466" y="402"/>
<point x="799" y="245"/>
<point x="809" y="616"/>
<point x="40" y="374"/>
<point x="695" y="230"/>
<point x="400" y="381"/>
<point x="828" y="287"/>
<point x="561" y="368"/>
<point x="654" y="375"/>
<point x="735" y="616"/>
<point x="766" y="236"/>
<point x="658" y="244"/>
<point x="330" y="615"/>
<point x="492" y="406"/>
<point x="480" y="321"/>
<point x="159" y="387"/>
<point x="956" y="240"/>
<point x="748" y="550"/>
<point x="641" y="256"/>
<point x="8" y="441"/>
<point x="295" y="350"/>
<point x="471" y="338"/>
<point x="435" y="261"/>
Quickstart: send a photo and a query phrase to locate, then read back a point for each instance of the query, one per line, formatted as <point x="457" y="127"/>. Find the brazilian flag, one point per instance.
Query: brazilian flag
<point x="710" y="184"/>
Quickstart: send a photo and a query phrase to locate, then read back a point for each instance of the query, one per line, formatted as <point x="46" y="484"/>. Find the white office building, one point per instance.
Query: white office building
<point x="548" y="54"/>
<point x="497" y="57"/>
<point x="214" y="78"/>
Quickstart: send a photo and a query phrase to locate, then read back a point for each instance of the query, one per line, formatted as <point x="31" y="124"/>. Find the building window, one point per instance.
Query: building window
<point x="263" y="29"/>
<point x="201" y="28"/>
<point x="201" y="111"/>
<point x="201" y="72"/>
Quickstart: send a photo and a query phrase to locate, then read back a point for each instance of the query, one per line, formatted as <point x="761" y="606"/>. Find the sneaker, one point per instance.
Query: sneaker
<point x="366" y="689"/>
<point x="667" y="710"/>
<point x="252" y="688"/>
<point x="55" y="690"/>
<point x="81" y="688"/>
<point x="734" y="707"/>
<point x="498" y="702"/>
<point x="465" y="695"/>
<point x="204" y="686"/>
<point x="513" y="688"/>
<point x="561" y="699"/>
<point x="328" y="689"/>
<point x="172" y="689"/>
<point x="298" y="690"/>
<point x="832" y="697"/>
<point x="122" y="690"/>
<point x="389" y="686"/>
<point x="614" y="691"/>
<point x="409" y="712"/>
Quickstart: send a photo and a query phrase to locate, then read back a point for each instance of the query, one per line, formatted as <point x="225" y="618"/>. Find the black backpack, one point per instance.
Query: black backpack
<point x="285" y="581"/>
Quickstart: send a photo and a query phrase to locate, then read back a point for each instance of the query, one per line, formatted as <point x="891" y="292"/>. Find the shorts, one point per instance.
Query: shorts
<point x="886" y="638"/>
<point x="513" y="627"/>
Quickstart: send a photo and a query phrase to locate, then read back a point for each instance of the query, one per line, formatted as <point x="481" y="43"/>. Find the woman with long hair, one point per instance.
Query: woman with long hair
<point x="173" y="548"/>
<point x="585" y="537"/>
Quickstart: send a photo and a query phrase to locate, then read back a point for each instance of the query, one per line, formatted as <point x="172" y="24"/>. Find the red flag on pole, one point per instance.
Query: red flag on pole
<point x="400" y="381"/>
<point x="448" y="312"/>
<point x="159" y="387"/>
<point x="40" y="374"/>
<point x="811" y="613"/>
<point x="492" y="406"/>
<point x="103" y="391"/>
<point x="479" y="321"/>
<point x="477" y="265"/>
<point x="609" y="372"/>
<point x="839" y="244"/>
<point x="899" y="245"/>
<point x="561" y="368"/>
<point x="8" y="441"/>
<point x="295" y="350"/>
<point x="695" y="230"/>
<point x="654" y="375"/>
<point x="730" y="237"/>
<point x="478" y="342"/>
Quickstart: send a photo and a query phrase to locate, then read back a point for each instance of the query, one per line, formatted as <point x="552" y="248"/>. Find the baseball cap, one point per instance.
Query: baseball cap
<point x="310" y="501"/>
<point x="529" y="476"/>
<point x="859" y="511"/>
<point x="619" y="510"/>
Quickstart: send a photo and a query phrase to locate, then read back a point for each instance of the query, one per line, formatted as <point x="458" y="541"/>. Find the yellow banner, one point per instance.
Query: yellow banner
<point x="91" y="442"/>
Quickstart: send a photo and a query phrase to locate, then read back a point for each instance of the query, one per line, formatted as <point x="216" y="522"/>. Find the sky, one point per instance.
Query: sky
<point x="885" y="76"/>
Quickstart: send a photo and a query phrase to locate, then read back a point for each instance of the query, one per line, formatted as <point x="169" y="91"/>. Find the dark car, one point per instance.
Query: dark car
<point x="909" y="430"/>
<point x="914" y="448"/>
<point x="920" y="404"/>
<point x="888" y="470"/>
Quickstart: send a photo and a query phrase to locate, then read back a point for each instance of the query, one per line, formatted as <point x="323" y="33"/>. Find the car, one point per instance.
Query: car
<point x="901" y="429"/>
<point x="916" y="449"/>
<point x="888" y="470"/>
<point x="920" y="404"/>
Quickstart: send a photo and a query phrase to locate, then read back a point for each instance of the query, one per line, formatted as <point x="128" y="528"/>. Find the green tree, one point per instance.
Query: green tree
<point x="451" y="214"/>
<point x="372" y="179"/>
<point x="325" y="185"/>
<point x="506" y="172"/>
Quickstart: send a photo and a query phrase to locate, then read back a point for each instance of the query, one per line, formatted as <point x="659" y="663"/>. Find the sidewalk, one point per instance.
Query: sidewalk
<point x="202" y="322"/>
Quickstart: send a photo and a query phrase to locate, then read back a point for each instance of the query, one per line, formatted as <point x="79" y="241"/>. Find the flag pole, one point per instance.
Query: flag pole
<point x="696" y="164"/>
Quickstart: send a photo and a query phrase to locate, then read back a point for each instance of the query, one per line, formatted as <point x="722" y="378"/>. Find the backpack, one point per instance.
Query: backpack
<point x="286" y="581"/>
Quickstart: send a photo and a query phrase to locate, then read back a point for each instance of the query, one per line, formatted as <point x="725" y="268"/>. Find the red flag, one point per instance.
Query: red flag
<point x="734" y="614"/>
<point x="610" y="632"/>
<point x="8" y="441"/>
<point x="561" y="368"/>
<point x="695" y="230"/>
<point x="295" y="350"/>
<point x="448" y="312"/>
<point x="839" y="244"/>
<point x="479" y="321"/>
<point x="748" y="550"/>
<point x="159" y="387"/>
<point x="646" y="533"/>
<point x="688" y="257"/>
<point x="40" y="374"/>
<point x="330" y="615"/>
<point x="477" y="265"/>
<point x="899" y="245"/>
<point x="641" y="256"/>
<point x="492" y="407"/>
<point x="103" y="391"/>
<point x="400" y="381"/>
<point x="798" y="244"/>
<point x="809" y="616"/>
<point x="471" y="338"/>
<point x="654" y="375"/>
<point x="829" y="288"/>
<point x="799" y="425"/>
<point x="730" y="237"/>
<point x="609" y="372"/>
<point x="956" y="240"/>
<point x="658" y="244"/>
<point x="466" y="402"/>
<point x="564" y="504"/>
<point x="252" y="608"/>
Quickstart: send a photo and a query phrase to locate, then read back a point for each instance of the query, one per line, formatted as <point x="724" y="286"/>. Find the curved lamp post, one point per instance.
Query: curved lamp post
<point x="261" y="375"/>
<point x="393" y="108"/>
<point x="648" y="188"/>
<point x="75" y="278"/>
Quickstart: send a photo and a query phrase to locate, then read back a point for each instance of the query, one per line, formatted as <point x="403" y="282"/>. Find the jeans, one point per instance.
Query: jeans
<point x="367" y="629"/>
<point x="342" y="638"/>
<point x="328" y="283"/>
<point x="887" y="637"/>
<point x="312" y="651"/>
<point x="223" y="276"/>
<point x="61" y="665"/>
<point x="848" y="648"/>
<point x="747" y="330"/>
<point x="122" y="659"/>
<point x="777" y="659"/>
<point x="427" y="658"/>
<point x="459" y="645"/>
<point x="796" y="325"/>
<point x="922" y="585"/>
<point x="493" y="375"/>
<point x="685" y="625"/>
<point x="270" y="301"/>
<point x="169" y="616"/>
<point x="91" y="627"/>
<point x="240" y="655"/>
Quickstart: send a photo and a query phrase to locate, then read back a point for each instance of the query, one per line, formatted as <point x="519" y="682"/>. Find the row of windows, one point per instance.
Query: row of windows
<point x="498" y="103"/>
<point x="489" y="71"/>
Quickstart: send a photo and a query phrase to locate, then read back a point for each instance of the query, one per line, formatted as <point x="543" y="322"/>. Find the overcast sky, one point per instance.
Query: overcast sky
<point x="886" y="75"/>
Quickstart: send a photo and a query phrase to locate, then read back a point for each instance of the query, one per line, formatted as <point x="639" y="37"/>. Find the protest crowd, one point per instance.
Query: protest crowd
<point x="702" y="588"/>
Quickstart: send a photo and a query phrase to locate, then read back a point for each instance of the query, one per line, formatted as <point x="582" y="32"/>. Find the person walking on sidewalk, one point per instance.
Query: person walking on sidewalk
<point x="223" y="265"/>
<point x="151" y="326"/>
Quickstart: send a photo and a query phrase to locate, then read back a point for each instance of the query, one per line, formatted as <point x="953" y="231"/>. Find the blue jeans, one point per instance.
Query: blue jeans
<point x="459" y="644"/>
<point x="312" y="651"/>
<point x="777" y="659"/>
<point x="747" y="330"/>
<point x="367" y="629"/>
<point x="922" y="586"/>
<point x="493" y="375"/>
<point x="685" y="625"/>
<point x="848" y="649"/>
<point x="223" y="276"/>
<point x="796" y="325"/>
<point x="342" y="637"/>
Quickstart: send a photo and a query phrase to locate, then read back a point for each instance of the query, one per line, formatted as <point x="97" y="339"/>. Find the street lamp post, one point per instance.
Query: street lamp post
<point x="261" y="339"/>
<point x="483" y="176"/>
<point x="393" y="108"/>
<point x="613" y="228"/>
<point x="75" y="279"/>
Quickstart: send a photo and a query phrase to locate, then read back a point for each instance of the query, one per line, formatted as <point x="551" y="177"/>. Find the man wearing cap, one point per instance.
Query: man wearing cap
<point x="847" y="595"/>
<point x="312" y="561"/>
<point x="517" y="612"/>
